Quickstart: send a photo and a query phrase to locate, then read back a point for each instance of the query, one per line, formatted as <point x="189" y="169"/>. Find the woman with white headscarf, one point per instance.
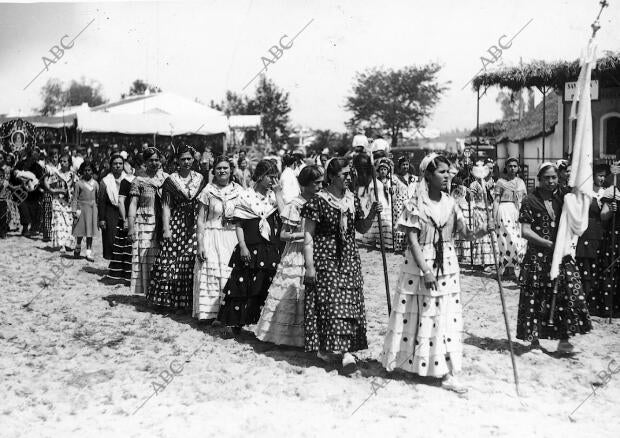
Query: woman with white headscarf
<point x="108" y="203"/>
<point x="424" y="332"/>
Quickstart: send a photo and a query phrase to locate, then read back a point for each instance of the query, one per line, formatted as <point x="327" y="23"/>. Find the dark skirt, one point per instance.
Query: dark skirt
<point x="571" y="312"/>
<point x="110" y="216"/>
<point x="248" y="285"/>
<point x="334" y="317"/>
<point x="607" y="296"/>
<point x="120" y="263"/>
<point x="172" y="276"/>
<point x="4" y="218"/>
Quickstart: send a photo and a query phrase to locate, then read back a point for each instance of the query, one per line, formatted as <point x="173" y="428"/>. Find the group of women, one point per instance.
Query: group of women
<point x="235" y="256"/>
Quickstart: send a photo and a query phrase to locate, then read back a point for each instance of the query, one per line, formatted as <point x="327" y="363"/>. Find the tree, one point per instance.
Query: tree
<point x="55" y="97"/>
<point x="514" y="105"/>
<point x="139" y="87"/>
<point x="395" y="100"/>
<point x="233" y="104"/>
<point x="272" y="104"/>
<point x="83" y="92"/>
<point x="269" y="101"/>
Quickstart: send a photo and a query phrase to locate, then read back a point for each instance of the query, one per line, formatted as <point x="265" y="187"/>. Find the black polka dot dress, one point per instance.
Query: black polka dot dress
<point x="607" y="296"/>
<point x="571" y="313"/>
<point x="335" y="318"/>
<point x="172" y="277"/>
<point x="245" y="292"/>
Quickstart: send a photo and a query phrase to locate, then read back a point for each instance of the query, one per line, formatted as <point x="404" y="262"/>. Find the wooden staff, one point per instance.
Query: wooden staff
<point x="385" y="272"/>
<point x="613" y="249"/>
<point x="501" y="289"/>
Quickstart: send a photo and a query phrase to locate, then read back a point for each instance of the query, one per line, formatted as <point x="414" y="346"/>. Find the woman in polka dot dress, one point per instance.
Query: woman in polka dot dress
<point x="483" y="248"/>
<point x="256" y="257"/>
<point x="172" y="277"/>
<point x="588" y="252"/>
<point x="608" y="295"/>
<point x="424" y="332"/>
<point x="539" y="216"/>
<point x="509" y="193"/>
<point x="335" y="319"/>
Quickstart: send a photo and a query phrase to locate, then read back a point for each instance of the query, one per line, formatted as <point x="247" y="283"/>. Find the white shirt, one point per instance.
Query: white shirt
<point x="290" y="186"/>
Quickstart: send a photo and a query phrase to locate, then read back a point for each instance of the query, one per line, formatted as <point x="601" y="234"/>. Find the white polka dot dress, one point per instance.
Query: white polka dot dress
<point x="424" y="331"/>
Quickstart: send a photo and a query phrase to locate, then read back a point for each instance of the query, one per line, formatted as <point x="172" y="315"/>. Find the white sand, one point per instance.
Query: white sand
<point x="83" y="357"/>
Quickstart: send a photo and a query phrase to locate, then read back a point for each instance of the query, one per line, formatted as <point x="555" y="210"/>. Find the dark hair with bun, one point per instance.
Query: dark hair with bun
<point x="309" y="174"/>
<point x="263" y="168"/>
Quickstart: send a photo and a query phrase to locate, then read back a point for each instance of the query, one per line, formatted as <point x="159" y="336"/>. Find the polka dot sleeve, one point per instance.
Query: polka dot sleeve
<point x="526" y="215"/>
<point x="311" y="210"/>
<point x="410" y="217"/>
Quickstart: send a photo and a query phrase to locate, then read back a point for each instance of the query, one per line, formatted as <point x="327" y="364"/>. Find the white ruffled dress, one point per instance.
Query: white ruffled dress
<point x="424" y="332"/>
<point x="282" y="318"/>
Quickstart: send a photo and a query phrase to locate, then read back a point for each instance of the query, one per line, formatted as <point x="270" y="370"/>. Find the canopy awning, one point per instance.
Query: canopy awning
<point x="161" y="124"/>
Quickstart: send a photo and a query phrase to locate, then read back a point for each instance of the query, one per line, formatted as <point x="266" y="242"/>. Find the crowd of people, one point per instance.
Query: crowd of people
<point x="276" y="247"/>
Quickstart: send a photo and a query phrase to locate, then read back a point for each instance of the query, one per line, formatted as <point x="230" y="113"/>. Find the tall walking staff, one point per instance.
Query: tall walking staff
<point x="380" y="222"/>
<point x="481" y="172"/>
<point x="615" y="170"/>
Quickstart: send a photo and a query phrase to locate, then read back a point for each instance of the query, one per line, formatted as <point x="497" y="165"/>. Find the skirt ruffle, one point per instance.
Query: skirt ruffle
<point x="282" y="317"/>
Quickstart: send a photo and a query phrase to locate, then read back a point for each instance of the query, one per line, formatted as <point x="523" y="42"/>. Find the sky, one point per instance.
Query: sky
<point x="201" y="49"/>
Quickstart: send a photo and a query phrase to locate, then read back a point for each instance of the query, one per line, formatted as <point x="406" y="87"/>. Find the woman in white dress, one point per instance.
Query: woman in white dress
<point x="282" y="318"/>
<point x="424" y="331"/>
<point x="216" y="240"/>
<point x="509" y="192"/>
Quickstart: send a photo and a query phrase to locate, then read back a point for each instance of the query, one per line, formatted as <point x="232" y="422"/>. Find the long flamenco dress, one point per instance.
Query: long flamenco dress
<point x="172" y="277"/>
<point x="511" y="246"/>
<point x="282" y="318"/>
<point x="211" y="275"/>
<point x="147" y="226"/>
<point x="335" y="318"/>
<point x="571" y="312"/>
<point x="371" y="237"/>
<point x="607" y="296"/>
<point x="119" y="268"/>
<point x="588" y="257"/>
<point x="402" y="191"/>
<point x="483" y="247"/>
<point x="247" y="287"/>
<point x="464" y="250"/>
<point x="62" y="219"/>
<point x="424" y="331"/>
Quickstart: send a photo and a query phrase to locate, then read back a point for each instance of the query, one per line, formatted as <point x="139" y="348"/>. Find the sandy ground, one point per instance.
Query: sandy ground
<point x="89" y="359"/>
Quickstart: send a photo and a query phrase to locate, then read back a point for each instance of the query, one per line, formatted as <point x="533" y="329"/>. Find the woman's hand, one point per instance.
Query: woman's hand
<point x="132" y="235"/>
<point x="613" y="206"/>
<point x="167" y="234"/>
<point x="245" y="254"/>
<point x="202" y="253"/>
<point x="102" y="225"/>
<point x="430" y="281"/>
<point x="310" y="276"/>
<point x="276" y="187"/>
<point x="376" y="208"/>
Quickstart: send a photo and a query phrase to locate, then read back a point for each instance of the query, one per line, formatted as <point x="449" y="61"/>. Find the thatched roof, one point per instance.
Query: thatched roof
<point x="530" y="126"/>
<point x="550" y="74"/>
